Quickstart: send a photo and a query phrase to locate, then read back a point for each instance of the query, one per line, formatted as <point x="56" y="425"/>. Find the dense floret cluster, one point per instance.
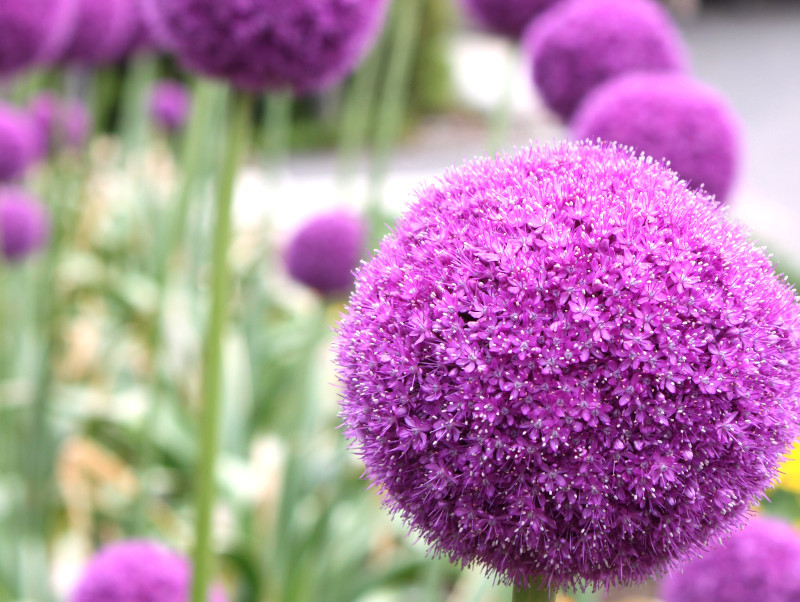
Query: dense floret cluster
<point x="668" y="117"/>
<point x="506" y="17"/>
<point x="304" y="45"/>
<point x="762" y="562"/>
<point x="565" y="364"/>
<point x="581" y="44"/>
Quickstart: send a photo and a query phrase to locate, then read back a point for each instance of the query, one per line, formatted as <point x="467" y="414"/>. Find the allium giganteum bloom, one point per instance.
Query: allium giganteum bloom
<point x="566" y="364"/>
<point x="19" y="142"/>
<point x="506" y="17"/>
<point x="105" y="31"/>
<point x="137" y="571"/>
<point x="170" y="102"/>
<point x="33" y="31"/>
<point x="24" y="225"/>
<point x="671" y="117"/>
<point x="762" y="562"/>
<point x="580" y="44"/>
<point x="258" y="45"/>
<point x="324" y="252"/>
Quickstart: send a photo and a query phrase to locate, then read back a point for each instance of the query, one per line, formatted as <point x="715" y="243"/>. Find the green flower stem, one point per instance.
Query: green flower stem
<point x="532" y="594"/>
<point x="501" y="118"/>
<point x="278" y="128"/>
<point x="212" y="353"/>
<point x="136" y="89"/>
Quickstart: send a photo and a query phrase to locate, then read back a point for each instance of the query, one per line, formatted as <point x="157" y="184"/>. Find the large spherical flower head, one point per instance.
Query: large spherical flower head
<point x="580" y="44"/>
<point x="104" y="33"/>
<point x="170" y="102"/>
<point x="137" y="571"/>
<point x="19" y="143"/>
<point x="305" y="45"/>
<point x="567" y="364"/>
<point x="323" y="253"/>
<point x="762" y="562"/>
<point x="668" y="117"/>
<point x="506" y="17"/>
<point x="24" y="225"/>
<point x="33" y="31"/>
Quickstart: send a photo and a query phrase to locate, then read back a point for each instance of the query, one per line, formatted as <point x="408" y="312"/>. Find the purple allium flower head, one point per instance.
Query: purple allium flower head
<point x="24" y="225"/>
<point x="323" y="253"/>
<point x="506" y="17"/>
<point x="567" y="364"/>
<point x="305" y="45"/>
<point x="762" y="562"/>
<point x="19" y="142"/>
<point x="137" y="571"/>
<point x="60" y="123"/>
<point x="580" y="44"/>
<point x="670" y="117"/>
<point x="33" y="31"/>
<point x="170" y="103"/>
<point x="105" y="31"/>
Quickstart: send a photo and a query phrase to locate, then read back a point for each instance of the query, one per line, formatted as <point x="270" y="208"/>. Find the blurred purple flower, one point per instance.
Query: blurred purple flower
<point x="33" y="32"/>
<point x="305" y="45"/>
<point x="668" y="117"/>
<point x="106" y="30"/>
<point x="532" y="369"/>
<point x="325" y="251"/>
<point x="19" y="143"/>
<point x="506" y="17"/>
<point x="762" y="562"/>
<point x="170" y="103"/>
<point x="60" y="123"/>
<point x="580" y="44"/>
<point x="137" y="571"/>
<point x="24" y="225"/>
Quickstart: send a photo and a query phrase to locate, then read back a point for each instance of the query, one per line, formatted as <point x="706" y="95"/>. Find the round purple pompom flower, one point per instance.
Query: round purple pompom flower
<point x="19" y="142"/>
<point x="567" y="365"/>
<point x="33" y="32"/>
<point x="762" y="562"/>
<point x="60" y="123"/>
<point x="668" y="117"/>
<point x="506" y="17"/>
<point x="305" y="45"/>
<point x="170" y="102"/>
<point x="24" y="225"/>
<point x="137" y="571"/>
<point x="323" y="253"/>
<point x="105" y="32"/>
<point x="580" y="44"/>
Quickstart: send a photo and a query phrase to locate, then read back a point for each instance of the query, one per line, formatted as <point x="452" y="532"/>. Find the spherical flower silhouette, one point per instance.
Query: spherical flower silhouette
<point x="170" y="102"/>
<point x="670" y="117"/>
<point x="18" y="142"/>
<point x="565" y="364"/>
<point x="24" y="225"/>
<point x="305" y="45"/>
<point x="506" y="17"/>
<point x="60" y="123"/>
<point x="34" y="31"/>
<point x="105" y="31"/>
<point x="323" y="253"/>
<point x="137" y="571"/>
<point x="762" y="562"/>
<point x="580" y="44"/>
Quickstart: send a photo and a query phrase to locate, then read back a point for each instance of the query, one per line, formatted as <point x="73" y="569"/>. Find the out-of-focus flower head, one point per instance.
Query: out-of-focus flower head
<point x="762" y="562"/>
<point x="60" y="123"/>
<point x="506" y="17"/>
<point x="170" y="103"/>
<point x="670" y="117"/>
<point x="581" y="44"/>
<point x="106" y="30"/>
<point x="137" y="571"/>
<point x="19" y="142"/>
<point x="567" y="365"/>
<point x="24" y="225"/>
<point x="34" y="32"/>
<point x="323" y="253"/>
<point x="305" y="45"/>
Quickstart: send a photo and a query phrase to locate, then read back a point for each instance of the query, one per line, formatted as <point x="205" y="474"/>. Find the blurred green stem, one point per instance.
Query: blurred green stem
<point x="212" y="353"/>
<point x="278" y="129"/>
<point x="501" y="118"/>
<point x="532" y="594"/>
<point x="137" y="87"/>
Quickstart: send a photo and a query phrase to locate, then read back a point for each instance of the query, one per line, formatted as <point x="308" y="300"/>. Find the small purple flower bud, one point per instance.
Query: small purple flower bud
<point x="580" y="44"/>
<point x="761" y="562"/>
<point x="60" y="123"/>
<point x="19" y="143"/>
<point x="170" y="103"/>
<point x="137" y="571"/>
<point x="24" y="225"/>
<point x="668" y="117"/>
<point x="324" y="252"/>
<point x="506" y="17"/>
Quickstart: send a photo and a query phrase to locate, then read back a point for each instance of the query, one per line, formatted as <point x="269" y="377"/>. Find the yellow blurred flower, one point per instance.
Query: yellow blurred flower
<point x="790" y="480"/>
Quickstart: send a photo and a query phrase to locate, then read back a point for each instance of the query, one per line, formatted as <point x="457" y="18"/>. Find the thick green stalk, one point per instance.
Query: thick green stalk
<point x="501" y="118"/>
<point x="278" y="128"/>
<point x="532" y="594"/>
<point x="212" y="353"/>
